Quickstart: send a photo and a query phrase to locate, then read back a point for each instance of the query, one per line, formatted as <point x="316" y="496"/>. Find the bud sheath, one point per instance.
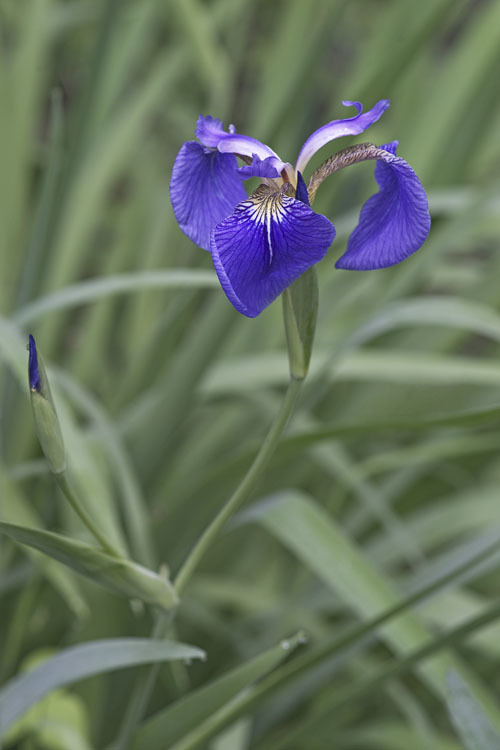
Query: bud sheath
<point x="300" y="309"/>
<point x="47" y="424"/>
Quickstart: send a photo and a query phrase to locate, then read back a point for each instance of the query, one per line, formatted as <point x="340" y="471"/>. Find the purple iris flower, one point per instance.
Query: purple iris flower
<point x="262" y="243"/>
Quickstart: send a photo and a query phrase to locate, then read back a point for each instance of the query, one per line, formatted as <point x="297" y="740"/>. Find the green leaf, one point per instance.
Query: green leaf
<point x="392" y="735"/>
<point x="78" y="662"/>
<point x="469" y="719"/>
<point x="115" y="573"/>
<point x="395" y="366"/>
<point x="95" y="289"/>
<point x="196" y="712"/>
<point x="297" y="677"/>
<point x="16" y="509"/>
<point x="436" y="311"/>
<point x="314" y="537"/>
<point x="236" y="737"/>
<point x="58" y="721"/>
<point x="132" y="502"/>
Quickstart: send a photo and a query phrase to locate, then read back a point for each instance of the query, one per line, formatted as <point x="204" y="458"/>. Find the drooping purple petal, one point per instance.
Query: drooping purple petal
<point x="267" y="243"/>
<point x="337" y="128"/>
<point x="212" y="134"/>
<point x="204" y="189"/>
<point x="394" y="222"/>
<point x="260" y="167"/>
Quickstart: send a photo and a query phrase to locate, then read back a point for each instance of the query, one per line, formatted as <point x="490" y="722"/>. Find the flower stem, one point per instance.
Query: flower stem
<point x="145" y="683"/>
<point x="142" y="689"/>
<point x="244" y="489"/>
<point x="64" y="485"/>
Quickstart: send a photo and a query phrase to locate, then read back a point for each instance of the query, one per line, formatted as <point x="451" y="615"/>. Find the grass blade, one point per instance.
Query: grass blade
<point x="117" y="574"/>
<point x="80" y="662"/>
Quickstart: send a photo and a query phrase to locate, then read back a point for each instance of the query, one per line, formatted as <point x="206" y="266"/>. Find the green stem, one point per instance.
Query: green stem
<point x="146" y="681"/>
<point x="244" y="489"/>
<point x="142" y="690"/>
<point x="63" y="483"/>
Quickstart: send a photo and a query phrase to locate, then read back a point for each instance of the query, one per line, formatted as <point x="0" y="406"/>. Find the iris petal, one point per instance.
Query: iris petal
<point x="337" y="128"/>
<point x="204" y="189"/>
<point x="394" y="222"/>
<point x="267" y="243"/>
<point x="260" y="167"/>
<point x="210" y="130"/>
<point x="211" y="133"/>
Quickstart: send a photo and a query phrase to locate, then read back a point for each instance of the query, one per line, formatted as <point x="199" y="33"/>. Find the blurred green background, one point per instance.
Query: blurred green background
<point x="389" y="475"/>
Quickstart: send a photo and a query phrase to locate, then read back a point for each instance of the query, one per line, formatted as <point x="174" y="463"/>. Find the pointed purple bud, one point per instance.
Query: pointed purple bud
<point x="47" y="424"/>
<point x="301" y="193"/>
<point x="33" y="370"/>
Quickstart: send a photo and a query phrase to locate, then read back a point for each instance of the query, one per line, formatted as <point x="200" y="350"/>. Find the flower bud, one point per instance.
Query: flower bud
<point x="300" y="308"/>
<point x="47" y="424"/>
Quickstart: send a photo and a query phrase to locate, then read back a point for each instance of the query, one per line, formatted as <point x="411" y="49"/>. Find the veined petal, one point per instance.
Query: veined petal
<point x="267" y="243"/>
<point x="204" y="189"/>
<point x="212" y="134"/>
<point x="260" y="167"/>
<point x="337" y="128"/>
<point x="210" y="130"/>
<point x="394" y="222"/>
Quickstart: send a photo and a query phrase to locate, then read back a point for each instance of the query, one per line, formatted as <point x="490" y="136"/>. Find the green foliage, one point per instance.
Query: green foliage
<point x="114" y="573"/>
<point x="469" y="719"/>
<point x="385" y="483"/>
<point x="83" y="661"/>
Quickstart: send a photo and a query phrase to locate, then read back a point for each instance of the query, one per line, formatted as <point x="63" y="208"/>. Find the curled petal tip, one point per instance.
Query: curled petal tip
<point x="209" y="130"/>
<point x="349" y="103"/>
<point x="338" y="128"/>
<point x="33" y="369"/>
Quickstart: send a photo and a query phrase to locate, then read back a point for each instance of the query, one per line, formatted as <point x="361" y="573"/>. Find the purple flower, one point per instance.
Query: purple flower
<point x="261" y="243"/>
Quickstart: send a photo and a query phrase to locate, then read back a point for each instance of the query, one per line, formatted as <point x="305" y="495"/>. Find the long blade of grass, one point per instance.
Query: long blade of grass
<point x="379" y="678"/>
<point x="86" y="292"/>
<point x="177" y="721"/>
<point x="82" y="661"/>
<point x="115" y="573"/>
<point x="469" y="719"/>
<point x="325" y="549"/>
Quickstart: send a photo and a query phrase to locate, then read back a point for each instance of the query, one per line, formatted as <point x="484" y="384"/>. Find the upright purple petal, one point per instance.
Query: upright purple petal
<point x="204" y="189"/>
<point x="210" y="130"/>
<point x="394" y="222"/>
<point x="337" y="128"/>
<point x="212" y="134"/>
<point x="267" y="243"/>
